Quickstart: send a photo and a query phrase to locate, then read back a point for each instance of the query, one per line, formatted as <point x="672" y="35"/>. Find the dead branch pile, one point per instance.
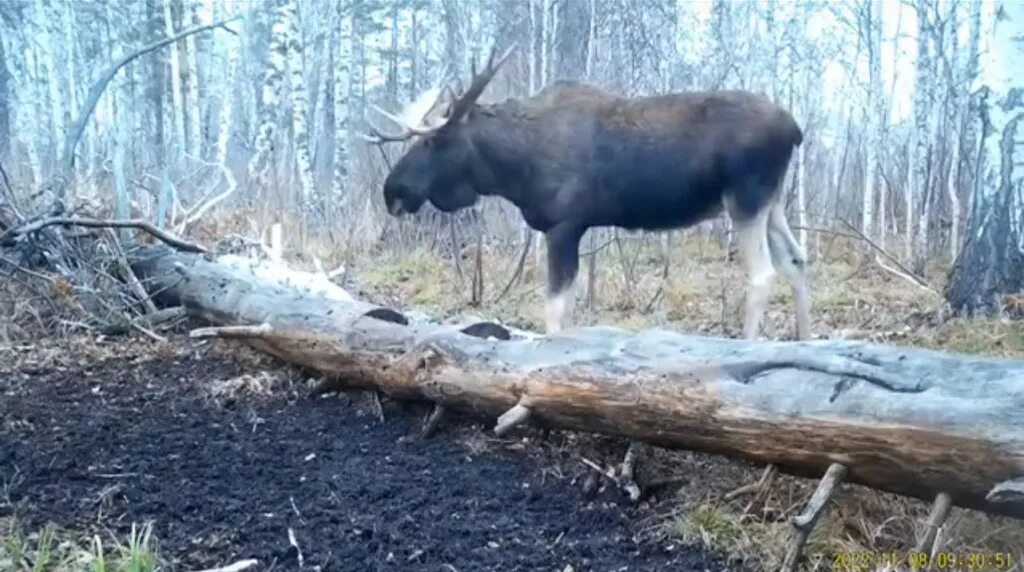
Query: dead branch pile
<point x="67" y="271"/>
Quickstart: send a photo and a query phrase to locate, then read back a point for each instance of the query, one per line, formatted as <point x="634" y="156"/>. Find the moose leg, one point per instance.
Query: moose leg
<point x="563" y="262"/>
<point x="790" y="260"/>
<point x="752" y="238"/>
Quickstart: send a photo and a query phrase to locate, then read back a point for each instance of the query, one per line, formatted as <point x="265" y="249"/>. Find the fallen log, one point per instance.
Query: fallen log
<point x="910" y="421"/>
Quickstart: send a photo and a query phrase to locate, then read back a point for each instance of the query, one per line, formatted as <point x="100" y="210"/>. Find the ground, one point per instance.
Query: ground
<point x="243" y="432"/>
<point x="225" y="458"/>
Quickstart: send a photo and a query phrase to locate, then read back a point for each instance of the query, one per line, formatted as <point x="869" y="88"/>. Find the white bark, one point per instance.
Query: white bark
<point x="1000" y="72"/>
<point x="954" y="201"/>
<point x="875" y="120"/>
<point x="532" y="7"/>
<point x="357" y="66"/>
<point x="34" y="126"/>
<point x="922" y="131"/>
<point x="55" y="100"/>
<point x="868" y="215"/>
<point x="592" y="39"/>
<point x="908" y="199"/>
<point x="70" y="68"/>
<point x="545" y="43"/>
<point x="177" y="111"/>
<point x="300" y="106"/>
<point x="193" y="109"/>
<point x="227" y="98"/>
<point x="342" y="89"/>
<point x="270" y="95"/>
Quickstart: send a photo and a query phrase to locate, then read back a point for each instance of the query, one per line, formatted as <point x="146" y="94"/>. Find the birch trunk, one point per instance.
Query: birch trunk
<point x="357" y="65"/>
<point x="294" y="40"/>
<point x="35" y="130"/>
<point x="414" y="53"/>
<point x="70" y="68"/>
<point x="908" y="199"/>
<point x="922" y="132"/>
<point x="193" y="110"/>
<point x="270" y="100"/>
<point x="868" y="215"/>
<point x="227" y="106"/>
<point x="6" y="110"/>
<point x="991" y="264"/>
<point x="176" y="111"/>
<point x="952" y="188"/>
<point x="342" y="90"/>
<point x="876" y="116"/>
<point x="532" y="7"/>
<point x="545" y="42"/>
<point x="55" y="99"/>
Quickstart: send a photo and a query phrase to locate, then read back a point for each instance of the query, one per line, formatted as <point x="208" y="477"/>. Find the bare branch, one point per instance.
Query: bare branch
<point x="76" y="129"/>
<point x="163" y="236"/>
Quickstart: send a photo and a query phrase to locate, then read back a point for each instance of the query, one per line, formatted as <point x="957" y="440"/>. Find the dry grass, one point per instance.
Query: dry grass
<point x="261" y="384"/>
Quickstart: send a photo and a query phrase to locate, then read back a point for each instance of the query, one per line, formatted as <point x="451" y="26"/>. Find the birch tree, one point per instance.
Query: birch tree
<point x="5" y="94"/>
<point x="176" y="111"/>
<point x="342" y="88"/>
<point x="192" y="111"/>
<point x="991" y="262"/>
<point x="270" y="96"/>
<point x="915" y="242"/>
<point x="293" y="40"/>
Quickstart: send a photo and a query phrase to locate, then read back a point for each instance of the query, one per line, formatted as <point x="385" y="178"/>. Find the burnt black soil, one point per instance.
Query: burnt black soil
<point x="122" y="440"/>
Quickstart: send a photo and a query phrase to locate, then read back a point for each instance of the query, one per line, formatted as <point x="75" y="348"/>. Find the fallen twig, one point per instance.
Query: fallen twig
<point x="295" y="544"/>
<point x="129" y="275"/>
<point x="906" y="273"/>
<point x="804" y="522"/>
<point x="937" y="518"/>
<point x="236" y="567"/>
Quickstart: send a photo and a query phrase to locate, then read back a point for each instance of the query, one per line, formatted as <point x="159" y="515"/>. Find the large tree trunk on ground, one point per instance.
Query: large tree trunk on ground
<point x="909" y="421"/>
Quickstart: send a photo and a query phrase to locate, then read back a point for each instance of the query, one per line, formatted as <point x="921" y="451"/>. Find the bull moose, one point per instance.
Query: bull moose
<point x="574" y="156"/>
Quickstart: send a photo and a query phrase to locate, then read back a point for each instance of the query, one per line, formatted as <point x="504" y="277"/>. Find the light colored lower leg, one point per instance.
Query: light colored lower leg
<point x="791" y="261"/>
<point x="556" y="308"/>
<point x="752" y="239"/>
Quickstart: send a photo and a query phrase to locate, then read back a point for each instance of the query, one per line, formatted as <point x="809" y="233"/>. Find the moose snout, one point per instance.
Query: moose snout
<point x="400" y="199"/>
<point x="393" y="200"/>
<point x="395" y="207"/>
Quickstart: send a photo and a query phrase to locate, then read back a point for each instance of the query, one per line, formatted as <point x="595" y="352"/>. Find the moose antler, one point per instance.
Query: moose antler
<point x="421" y="107"/>
<point x="415" y="120"/>
<point x="462" y="105"/>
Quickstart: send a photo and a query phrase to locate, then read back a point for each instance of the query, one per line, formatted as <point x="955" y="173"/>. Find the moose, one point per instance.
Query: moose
<point x="574" y="156"/>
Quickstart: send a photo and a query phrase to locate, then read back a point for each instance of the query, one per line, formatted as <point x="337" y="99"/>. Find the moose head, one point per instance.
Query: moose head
<point x="442" y="165"/>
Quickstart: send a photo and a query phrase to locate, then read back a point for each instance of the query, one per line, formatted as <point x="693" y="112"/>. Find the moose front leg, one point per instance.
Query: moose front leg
<point x="563" y="263"/>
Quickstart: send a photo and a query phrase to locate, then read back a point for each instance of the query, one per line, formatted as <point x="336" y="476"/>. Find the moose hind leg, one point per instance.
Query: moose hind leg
<point x="563" y="263"/>
<point x="789" y="259"/>
<point x="752" y="239"/>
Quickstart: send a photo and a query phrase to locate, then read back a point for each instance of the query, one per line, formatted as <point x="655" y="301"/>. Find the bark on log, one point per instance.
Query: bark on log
<point x="911" y="421"/>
